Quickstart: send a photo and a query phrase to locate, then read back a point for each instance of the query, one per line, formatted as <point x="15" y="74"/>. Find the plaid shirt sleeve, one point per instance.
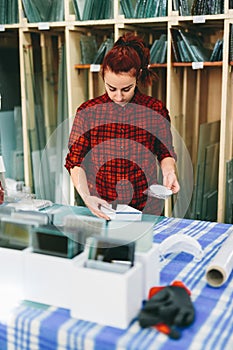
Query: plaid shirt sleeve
<point x="79" y="144"/>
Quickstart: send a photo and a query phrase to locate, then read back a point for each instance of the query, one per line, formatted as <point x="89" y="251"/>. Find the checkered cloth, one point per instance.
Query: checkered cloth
<point x="32" y="326"/>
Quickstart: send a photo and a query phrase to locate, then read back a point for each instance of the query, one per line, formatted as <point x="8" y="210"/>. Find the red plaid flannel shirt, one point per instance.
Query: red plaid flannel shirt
<point x="116" y="146"/>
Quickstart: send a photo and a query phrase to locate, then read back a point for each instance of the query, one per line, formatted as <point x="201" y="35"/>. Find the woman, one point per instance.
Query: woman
<point x="115" y="137"/>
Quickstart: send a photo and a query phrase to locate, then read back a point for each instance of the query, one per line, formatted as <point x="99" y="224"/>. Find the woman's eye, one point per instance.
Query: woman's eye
<point x="126" y="90"/>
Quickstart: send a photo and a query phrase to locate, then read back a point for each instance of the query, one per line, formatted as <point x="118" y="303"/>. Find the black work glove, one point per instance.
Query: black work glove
<point x="168" y="307"/>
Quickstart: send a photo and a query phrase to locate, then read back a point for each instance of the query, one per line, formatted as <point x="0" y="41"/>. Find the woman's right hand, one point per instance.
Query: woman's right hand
<point x="94" y="204"/>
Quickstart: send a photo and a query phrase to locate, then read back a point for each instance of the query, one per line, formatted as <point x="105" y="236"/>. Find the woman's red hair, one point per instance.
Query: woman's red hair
<point x="129" y="53"/>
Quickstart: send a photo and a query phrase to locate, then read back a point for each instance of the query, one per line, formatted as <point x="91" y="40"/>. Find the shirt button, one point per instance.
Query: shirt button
<point x="122" y="147"/>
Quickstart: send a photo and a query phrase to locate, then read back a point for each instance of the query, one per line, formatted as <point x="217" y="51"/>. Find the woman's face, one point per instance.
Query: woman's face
<point x="120" y="87"/>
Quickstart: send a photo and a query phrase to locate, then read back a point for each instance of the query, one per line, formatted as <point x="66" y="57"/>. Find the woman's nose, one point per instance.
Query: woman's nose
<point x="118" y="95"/>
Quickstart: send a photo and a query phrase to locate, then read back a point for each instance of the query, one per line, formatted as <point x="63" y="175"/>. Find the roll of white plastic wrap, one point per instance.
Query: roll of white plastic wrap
<point x="219" y="270"/>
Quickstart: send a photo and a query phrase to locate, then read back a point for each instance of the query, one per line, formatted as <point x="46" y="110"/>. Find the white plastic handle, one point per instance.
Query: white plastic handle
<point x="181" y="243"/>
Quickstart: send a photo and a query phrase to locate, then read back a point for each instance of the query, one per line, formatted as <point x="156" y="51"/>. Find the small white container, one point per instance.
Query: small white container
<point x="108" y="298"/>
<point x="47" y="279"/>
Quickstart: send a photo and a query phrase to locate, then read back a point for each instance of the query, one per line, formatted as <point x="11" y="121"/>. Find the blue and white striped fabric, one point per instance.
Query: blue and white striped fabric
<point x="39" y="327"/>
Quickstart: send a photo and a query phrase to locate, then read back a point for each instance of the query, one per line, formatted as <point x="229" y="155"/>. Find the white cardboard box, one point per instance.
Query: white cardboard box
<point x="107" y="298"/>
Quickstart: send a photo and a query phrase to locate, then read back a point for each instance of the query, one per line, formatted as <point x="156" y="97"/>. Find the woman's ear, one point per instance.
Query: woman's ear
<point x="139" y="76"/>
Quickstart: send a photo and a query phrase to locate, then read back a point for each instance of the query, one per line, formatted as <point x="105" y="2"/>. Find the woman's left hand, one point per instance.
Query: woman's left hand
<point x="169" y="174"/>
<point x="171" y="182"/>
